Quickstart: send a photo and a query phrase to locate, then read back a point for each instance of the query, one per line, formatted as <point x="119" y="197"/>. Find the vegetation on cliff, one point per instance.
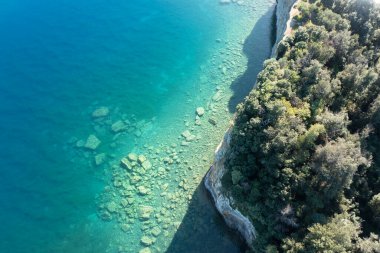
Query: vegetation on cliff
<point x="304" y="161"/>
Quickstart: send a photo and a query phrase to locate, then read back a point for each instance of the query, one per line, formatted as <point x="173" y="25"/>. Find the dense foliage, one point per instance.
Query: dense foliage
<point x="304" y="162"/>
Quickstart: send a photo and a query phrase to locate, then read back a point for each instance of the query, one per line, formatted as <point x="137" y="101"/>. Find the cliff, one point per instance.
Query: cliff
<point x="233" y="218"/>
<point x="285" y="11"/>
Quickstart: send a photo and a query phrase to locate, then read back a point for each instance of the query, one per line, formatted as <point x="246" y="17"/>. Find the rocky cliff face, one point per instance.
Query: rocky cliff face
<point x="284" y="14"/>
<point x="233" y="218"/>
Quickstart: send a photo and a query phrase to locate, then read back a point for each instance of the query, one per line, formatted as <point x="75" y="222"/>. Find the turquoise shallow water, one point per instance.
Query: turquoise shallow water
<point x="151" y="63"/>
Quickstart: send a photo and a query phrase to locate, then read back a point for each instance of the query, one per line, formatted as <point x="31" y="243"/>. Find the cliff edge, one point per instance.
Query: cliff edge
<point x="285" y="12"/>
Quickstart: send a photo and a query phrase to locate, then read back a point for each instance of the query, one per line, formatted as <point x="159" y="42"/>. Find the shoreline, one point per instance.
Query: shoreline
<point x="284" y="13"/>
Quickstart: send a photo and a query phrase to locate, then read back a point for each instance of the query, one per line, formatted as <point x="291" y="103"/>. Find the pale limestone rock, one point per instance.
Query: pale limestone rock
<point x="99" y="158"/>
<point x="145" y="212"/>
<point x="132" y="157"/>
<point x="156" y="231"/>
<point x="111" y="207"/>
<point x="92" y="142"/>
<point x="126" y="163"/>
<point x="200" y="111"/>
<point x="141" y="159"/>
<point x="100" y="112"/>
<point x="118" y="126"/>
<point x="143" y="190"/>
<point x="146" y="165"/>
<point x="146" y="241"/>
<point x="145" y="250"/>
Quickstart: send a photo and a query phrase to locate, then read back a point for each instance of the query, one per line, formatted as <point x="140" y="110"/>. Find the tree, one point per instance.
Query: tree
<point x="336" y="236"/>
<point x="335" y="165"/>
<point x="370" y="244"/>
<point x="335" y="123"/>
<point x="375" y="206"/>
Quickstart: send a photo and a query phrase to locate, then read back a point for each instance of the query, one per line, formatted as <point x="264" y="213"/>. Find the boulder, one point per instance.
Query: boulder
<point x="143" y="190"/>
<point x="118" y="126"/>
<point x="80" y="143"/>
<point x="156" y="231"/>
<point x="99" y="159"/>
<point x="146" y="241"/>
<point x="188" y="136"/>
<point x="217" y="96"/>
<point x="132" y="157"/>
<point x="111" y="207"/>
<point x="145" y="212"/>
<point x="146" y="165"/>
<point x="200" y="111"/>
<point x="145" y="250"/>
<point x="100" y="112"/>
<point x="141" y="159"/>
<point x="126" y="163"/>
<point x="92" y="142"/>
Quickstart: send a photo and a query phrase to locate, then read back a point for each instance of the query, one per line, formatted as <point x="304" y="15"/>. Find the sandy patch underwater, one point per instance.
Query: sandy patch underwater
<point x="151" y="64"/>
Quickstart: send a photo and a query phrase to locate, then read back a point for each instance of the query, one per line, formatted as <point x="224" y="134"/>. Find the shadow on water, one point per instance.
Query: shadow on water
<point x="203" y="228"/>
<point x="257" y="48"/>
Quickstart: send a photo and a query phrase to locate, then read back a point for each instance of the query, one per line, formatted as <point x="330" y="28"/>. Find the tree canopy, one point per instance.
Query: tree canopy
<point x="303" y="163"/>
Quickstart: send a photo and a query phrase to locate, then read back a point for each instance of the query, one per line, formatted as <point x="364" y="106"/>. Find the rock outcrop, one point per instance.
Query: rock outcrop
<point x="285" y="12"/>
<point x="233" y="218"/>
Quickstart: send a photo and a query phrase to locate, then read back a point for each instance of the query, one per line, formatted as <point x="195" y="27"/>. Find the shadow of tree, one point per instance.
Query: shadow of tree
<point x="257" y="48"/>
<point x="203" y="229"/>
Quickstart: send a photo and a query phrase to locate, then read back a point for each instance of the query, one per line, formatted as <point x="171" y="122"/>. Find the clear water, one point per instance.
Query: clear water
<point x="150" y="62"/>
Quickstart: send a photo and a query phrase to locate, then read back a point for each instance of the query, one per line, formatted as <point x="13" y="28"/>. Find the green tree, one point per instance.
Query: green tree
<point x="335" y="165"/>
<point x="336" y="236"/>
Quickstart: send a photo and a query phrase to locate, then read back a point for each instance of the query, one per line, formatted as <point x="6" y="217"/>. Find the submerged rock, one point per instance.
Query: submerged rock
<point x="200" y="111"/>
<point x="188" y="136"/>
<point x="132" y="157"/>
<point x="106" y="216"/>
<point x="145" y="212"/>
<point x="143" y="190"/>
<point x="126" y="163"/>
<point x="125" y="227"/>
<point x="92" y="142"/>
<point x="185" y="143"/>
<point x="80" y="143"/>
<point x="212" y="121"/>
<point x="156" y="231"/>
<point x="100" y="112"/>
<point x="146" y="241"/>
<point x="141" y="159"/>
<point x="111" y="207"/>
<point x="146" y="165"/>
<point x="99" y="159"/>
<point x="145" y="250"/>
<point x="118" y="126"/>
<point x="224" y="1"/>
<point x="217" y="96"/>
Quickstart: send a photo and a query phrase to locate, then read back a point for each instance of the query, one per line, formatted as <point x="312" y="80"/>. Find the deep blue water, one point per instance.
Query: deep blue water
<point x="59" y="60"/>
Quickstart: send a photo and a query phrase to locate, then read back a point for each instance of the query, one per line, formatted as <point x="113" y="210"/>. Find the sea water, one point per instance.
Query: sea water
<point x="145" y="66"/>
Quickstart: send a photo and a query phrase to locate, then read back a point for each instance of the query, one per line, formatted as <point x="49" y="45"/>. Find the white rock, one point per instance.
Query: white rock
<point x="200" y="111"/>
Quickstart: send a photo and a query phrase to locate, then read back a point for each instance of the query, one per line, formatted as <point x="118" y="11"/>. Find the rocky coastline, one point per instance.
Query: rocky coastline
<point x="234" y="219"/>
